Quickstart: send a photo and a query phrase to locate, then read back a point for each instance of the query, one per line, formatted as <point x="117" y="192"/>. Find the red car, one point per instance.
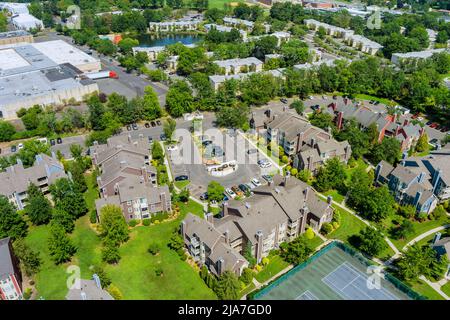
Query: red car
<point x="415" y="116"/>
<point x="433" y="125"/>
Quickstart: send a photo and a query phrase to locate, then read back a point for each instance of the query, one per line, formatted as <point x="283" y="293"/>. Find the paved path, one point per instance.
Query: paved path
<point x="435" y="286"/>
<point x="426" y="234"/>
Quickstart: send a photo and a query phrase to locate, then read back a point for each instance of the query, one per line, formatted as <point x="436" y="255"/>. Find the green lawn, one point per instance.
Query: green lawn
<point x="425" y="290"/>
<point x="350" y="225"/>
<point x="335" y="194"/>
<point x="419" y="228"/>
<point x="276" y="264"/>
<point x="182" y="184"/>
<point x="247" y="289"/>
<point x="446" y="288"/>
<point x="192" y="207"/>
<point x="369" y="97"/>
<point x="220" y="3"/>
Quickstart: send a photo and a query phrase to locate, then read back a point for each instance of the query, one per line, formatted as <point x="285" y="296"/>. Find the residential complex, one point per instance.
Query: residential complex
<point x="179" y="25"/>
<point x="309" y="146"/>
<point x="16" y="178"/>
<point x="210" y="26"/>
<point x="235" y="66"/>
<point x="14" y="37"/>
<point x="217" y="80"/>
<point x="128" y="180"/>
<point x="10" y="276"/>
<point x="413" y="57"/>
<point x="275" y="213"/>
<point x="419" y="181"/>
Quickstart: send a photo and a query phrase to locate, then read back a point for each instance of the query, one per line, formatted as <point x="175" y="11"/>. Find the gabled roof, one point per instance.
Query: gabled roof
<point x="6" y="262"/>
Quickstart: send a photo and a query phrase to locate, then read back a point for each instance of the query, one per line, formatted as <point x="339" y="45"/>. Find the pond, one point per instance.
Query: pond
<point x="149" y="40"/>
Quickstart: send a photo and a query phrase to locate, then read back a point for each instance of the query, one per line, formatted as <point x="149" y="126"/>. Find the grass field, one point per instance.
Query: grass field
<point x="446" y="288"/>
<point x="181" y="184"/>
<point x="134" y="275"/>
<point x="220" y="3"/>
<point x="419" y="228"/>
<point x="275" y="265"/>
<point x="425" y="290"/>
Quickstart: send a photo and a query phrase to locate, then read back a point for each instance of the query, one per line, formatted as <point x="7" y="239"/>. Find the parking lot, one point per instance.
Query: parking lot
<point x="235" y="147"/>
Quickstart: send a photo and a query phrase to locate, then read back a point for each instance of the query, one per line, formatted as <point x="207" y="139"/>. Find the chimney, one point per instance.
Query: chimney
<point x="259" y="246"/>
<point x="220" y="263"/>
<point x="209" y="217"/>
<point x="310" y="164"/>
<point x="164" y="201"/>
<point x="313" y="142"/>
<point x="340" y="119"/>
<point x="300" y="138"/>
<point x="406" y="122"/>
<point x="329" y="200"/>
<point x="225" y="210"/>
<point x="227" y="236"/>
<point x="437" y="237"/>
<point x="286" y="178"/>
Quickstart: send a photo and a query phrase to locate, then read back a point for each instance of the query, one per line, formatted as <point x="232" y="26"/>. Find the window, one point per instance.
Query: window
<point x="129" y="203"/>
<point x="130" y="210"/>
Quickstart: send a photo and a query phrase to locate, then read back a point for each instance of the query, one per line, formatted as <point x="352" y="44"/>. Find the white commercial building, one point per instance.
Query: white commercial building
<point x="235" y="66"/>
<point x="29" y="76"/>
<point x="20" y="16"/>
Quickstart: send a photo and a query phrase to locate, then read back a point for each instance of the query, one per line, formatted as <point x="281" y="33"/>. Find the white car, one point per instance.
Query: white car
<point x="230" y="193"/>
<point x="20" y="146"/>
<point x="256" y="182"/>
<point x="311" y="97"/>
<point x="172" y="148"/>
<point x="265" y="165"/>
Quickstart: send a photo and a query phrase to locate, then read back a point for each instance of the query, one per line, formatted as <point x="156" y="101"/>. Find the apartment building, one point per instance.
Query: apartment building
<point x="414" y="57"/>
<point x="178" y="25"/>
<point x="309" y="146"/>
<point x="212" y="26"/>
<point x="127" y="179"/>
<point x="275" y="213"/>
<point x="10" y="276"/>
<point x="235" y="66"/>
<point x="419" y="181"/>
<point x="16" y="178"/>
<point x="217" y="80"/>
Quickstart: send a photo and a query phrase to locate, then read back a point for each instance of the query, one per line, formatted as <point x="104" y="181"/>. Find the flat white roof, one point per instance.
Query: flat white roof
<point x="10" y="59"/>
<point x="419" y="54"/>
<point x="61" y="52"/>
<point x="238" y="62"/>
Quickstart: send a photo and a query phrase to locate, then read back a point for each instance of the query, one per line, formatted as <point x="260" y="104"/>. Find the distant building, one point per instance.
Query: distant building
<point x="413" y="57"/>
<point x="16" y="179"/>
<point x="419" y="181"/>
<point x="152" y="52"/>
<point x="20" y="16"/>
<point x="179" y="25"/>
<point x="127" y="179"/>
<point x="88" y="290"/>
<point x="217" y="80"/>
<point x="276" y="213"/>
<point x="235" y="66"/>
<point x="10" y="276"/>
<point x="211" y="26"/>
<point x="14" y="37"/>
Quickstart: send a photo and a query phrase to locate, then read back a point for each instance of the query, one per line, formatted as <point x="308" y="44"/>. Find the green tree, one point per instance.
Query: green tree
<point x="331" y="175"/>
<point x="227" y="287"/>
<point x="105" y="280"/>
<point x="67" y="197"/>
<point x="96" y="112"/>
<point x="179" y="99"/>
<point x="298" y="106"/>
<point x="246" y="276"/>
<point x="169" y="128"/>
<point x="157" y="152"/>
<point x="60" y="246"/>
<point x="322" y="120"/>
<point x="371" y="241"/>
<point x="11" y="223"/>
<point x="110" y="253"/>
<point x="296" y="251"/>
<point x="64" y="219"/>
<point x="422" y="143"/>
<point x="379" y="204"/>
<point x="7" y="130"/>
<point x="405" y="229"/>
<point x="249" y="255"/>
<point x="30" y="262"/>
<point x="388" y="150"/>
<point x="113" y="227"/>
<point x="126" y="45"/>
<point x="215" y="191"/>
<point x="38" y="208"/>
<point x="152" y="109"/>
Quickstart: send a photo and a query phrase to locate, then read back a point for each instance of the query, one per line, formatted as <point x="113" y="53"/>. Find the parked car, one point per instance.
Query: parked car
<point x="204" y="196"/>
<point x="225" y="197"/>
<point x="147" y="125"/>
<point x="265" y="165"/>
<point x="206" y="143"/>
<point x="182" y="178"/>
<point x="237" y="190"/>
<point x="150" y="139"/>
<point x="256" y="182"/>
<point x="252" y="151"/>
<point x="444" y="129"/>
<point x="20" y="146"/>
<point x="52" y="142"/>
<point x="158" y="122"/>
<point x="428" y="122"/>
<point x="153" y="124"/>
<point x="230" y="193"/>
<point x="13" y="148"/>
<point x="267" y="178"/>
<point x="284" y="100"/>
<point x="135" y="126"/>
<point x="58" y="140"/>
<point x="315" y="107"/>
<point x="433" y="125"/>
<point x="245" y="188"/>
<point x="163" y="137"/>
<point x="172" y="148"/>
<point x="128" y="127"/>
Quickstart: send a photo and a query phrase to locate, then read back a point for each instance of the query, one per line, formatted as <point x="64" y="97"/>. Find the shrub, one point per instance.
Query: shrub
<point x="439" y="212"/>
<point x="154" y="249"/>
<point x="309" y="234"/>
<point x="335" y="224"/>
<point x="93" y="216"/>
<point x="247" y="276"/>
<point x="265" y="261"/>
<point x="146" y="222"/>
<point x="285" y="159"/>
<point x="422" y="216"/>
<point x="258" y="268"/>
<point x="27" y="293"/>
<point x="294" y="172"/>
<point x="115" y="292"/>
<point x="337" y="217"/>
<point x="110" y="254"/>
<point x="327" y="228"/>
<point x="132" y="223"/>
<point x="159" y="272"/>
